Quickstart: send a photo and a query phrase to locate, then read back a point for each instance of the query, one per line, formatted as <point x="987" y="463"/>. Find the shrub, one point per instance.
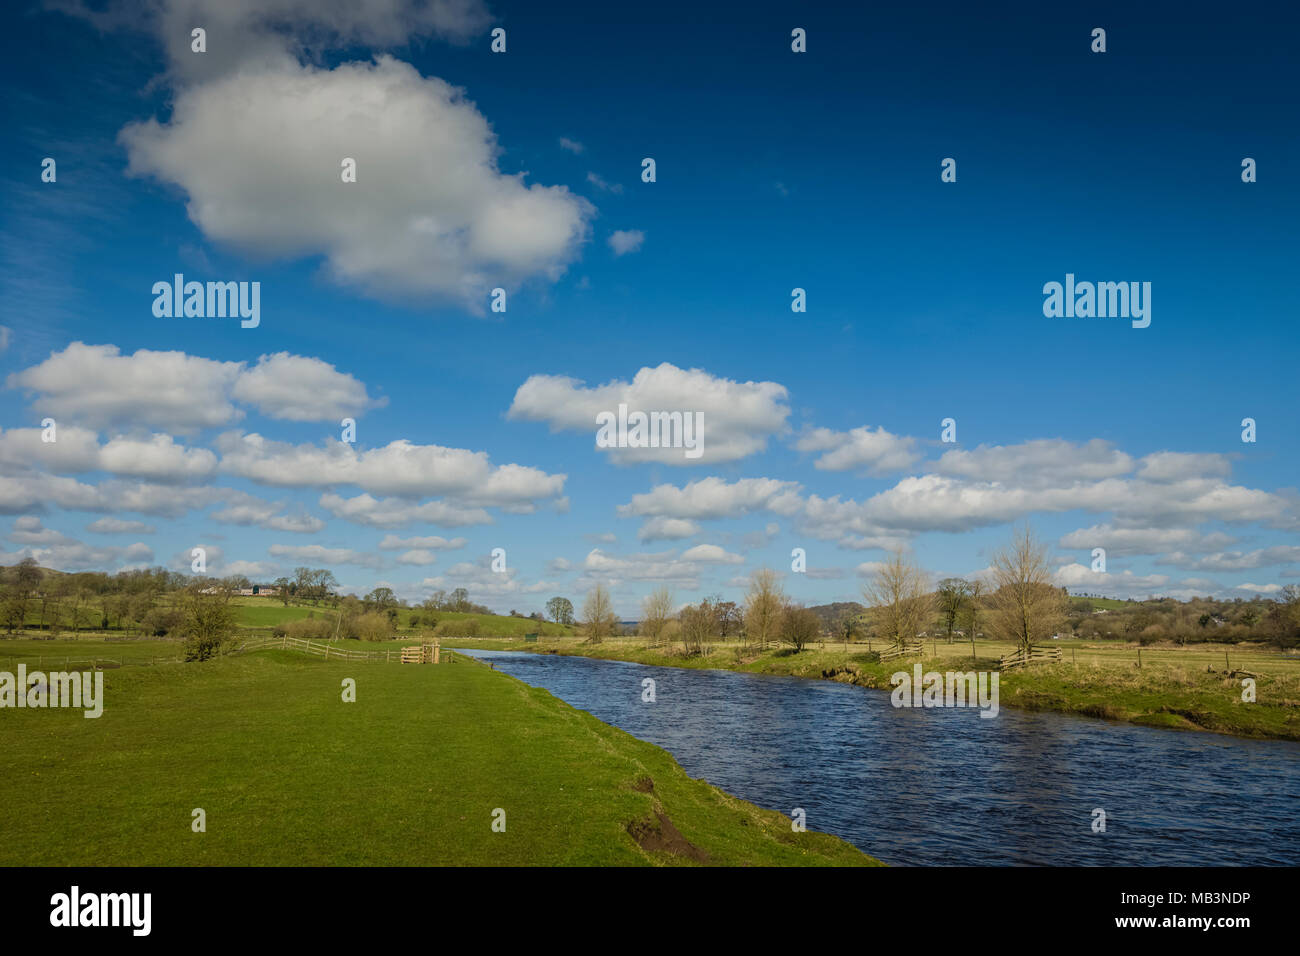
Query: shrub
<point x="310" y="629"/>
<point x="374" y="626"/>
<point x="207" y="621"/>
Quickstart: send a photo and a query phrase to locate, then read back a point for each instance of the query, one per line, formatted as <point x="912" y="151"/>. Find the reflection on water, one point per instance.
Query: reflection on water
<point x="943" y="786"/>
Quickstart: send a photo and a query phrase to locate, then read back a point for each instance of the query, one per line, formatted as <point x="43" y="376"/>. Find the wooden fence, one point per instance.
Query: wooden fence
<point x="906" y="649"/>
<point x="1033" y="655"/>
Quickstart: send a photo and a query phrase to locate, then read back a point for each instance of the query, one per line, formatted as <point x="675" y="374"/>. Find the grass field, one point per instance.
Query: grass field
<point x="1173" y="688"/>
<point x="265" y="613"/>
<point x="409" y="774"/>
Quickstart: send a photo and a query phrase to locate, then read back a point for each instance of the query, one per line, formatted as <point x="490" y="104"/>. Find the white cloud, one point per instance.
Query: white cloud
<point x="398" y="513"/>
<point x="417" y="557"/>
<point x="157" y="458"/>
<point x="1175" y="466"/>
<point x="321" y="555"/>
<point x="96" y="386"/>
<point x="392" y="542"/>
<point x="1125" y="584"/>
<point x="399" y="468"/>
<point x="118" y="526"/>
<point x="716" y="498"/>
<point x="711" y="554"/>
<point x="256" y="34"/>
<point x="739" y="417"/>
<point x="245" y="509"/>
<point x="623" y="241"/>
<point x="572" y="145"/>
<point x="667" y="529"/>
<point x="876" y="452"/>
<point x="1034" y="462"/>
<point x="1133" y="541"/>
<point x="429" y="215"/>
<point x="1235" y="560"/>
<point x="302" y="389"/>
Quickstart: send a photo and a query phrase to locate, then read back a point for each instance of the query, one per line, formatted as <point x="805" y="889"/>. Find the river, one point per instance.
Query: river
<point x="944" y="786"/>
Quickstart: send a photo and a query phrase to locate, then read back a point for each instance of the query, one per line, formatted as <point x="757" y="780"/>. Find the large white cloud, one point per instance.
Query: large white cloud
<point x="96" y="386"/>
<point x="298" y="388"/>
<point x="1041" y="460"/>
<point x="387" y="513"/>
<point x="715" y="498"/>
<point x="258" y="153"/>
<point x="257" y="34"/>
<point x="400" y="468"/>
<point x="875" y="451"/>
<point x="739" y="417"/>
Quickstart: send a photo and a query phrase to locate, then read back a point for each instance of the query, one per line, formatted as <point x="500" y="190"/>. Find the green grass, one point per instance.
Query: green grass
<point x="1173" y="688"/>
<point x="500" y="625"/>
<point x="268" y="612"/>
<point x="409" y="774"/>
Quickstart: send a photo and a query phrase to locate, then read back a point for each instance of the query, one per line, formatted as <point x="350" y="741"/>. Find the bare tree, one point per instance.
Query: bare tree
<point x="800" y="626"/>
<point x="656" y="610"/>
<point x="598" y="615"/>
<point x="764" y="607"/>
<point x="899" y="591"/>
<point x="698" y="625"/>
<point x="1026" y="605"/>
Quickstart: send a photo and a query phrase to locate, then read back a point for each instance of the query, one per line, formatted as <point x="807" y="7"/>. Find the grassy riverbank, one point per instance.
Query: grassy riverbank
<point x="1173" y="687"/>
<point x="409" y="774"/>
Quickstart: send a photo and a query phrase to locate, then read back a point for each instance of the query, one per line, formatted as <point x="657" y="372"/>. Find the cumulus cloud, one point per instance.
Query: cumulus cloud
<point x="1174" y="466"/>
<point x="667" y="529"/>
<point x="399" y="468"/>
<point x="429" y="215"/>
<point x="245" y="509"/>
<point x="392" y="542"/>
<point x="157" y="458"/>
<point x="52" y="549"/>
<point x="1034" y="462"/>
<point x="1139" y="540"/>
<point x="711" y="554"/>
<point x="876" y="452"/>
<point x="317" y="554"/>
<point x="261" y="34"/>
<point x="119" y="526"/>
<point x="739" y="417"/>
<point x="1282" y="554"/>
<point x="714" y="497"/>
<point x="1125" y="584"/>
<point x="387" y="513"/>
<point x="96" y="386"/>
<point x="302" y="389"/>
<point x="571" y="145"/>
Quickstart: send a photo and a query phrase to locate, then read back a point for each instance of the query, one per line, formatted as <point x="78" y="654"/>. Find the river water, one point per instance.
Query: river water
<point x="943" y="786"/>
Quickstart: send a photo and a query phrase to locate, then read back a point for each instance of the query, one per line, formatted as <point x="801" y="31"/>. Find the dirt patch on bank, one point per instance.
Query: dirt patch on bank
<point x="659" y="835"/>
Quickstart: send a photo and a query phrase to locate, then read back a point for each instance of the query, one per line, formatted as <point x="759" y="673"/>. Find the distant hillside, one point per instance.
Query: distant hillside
<point x="828" y="614"/>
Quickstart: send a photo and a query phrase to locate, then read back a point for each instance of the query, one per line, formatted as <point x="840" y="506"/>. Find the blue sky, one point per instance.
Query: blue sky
<point x="775" y="170"/>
